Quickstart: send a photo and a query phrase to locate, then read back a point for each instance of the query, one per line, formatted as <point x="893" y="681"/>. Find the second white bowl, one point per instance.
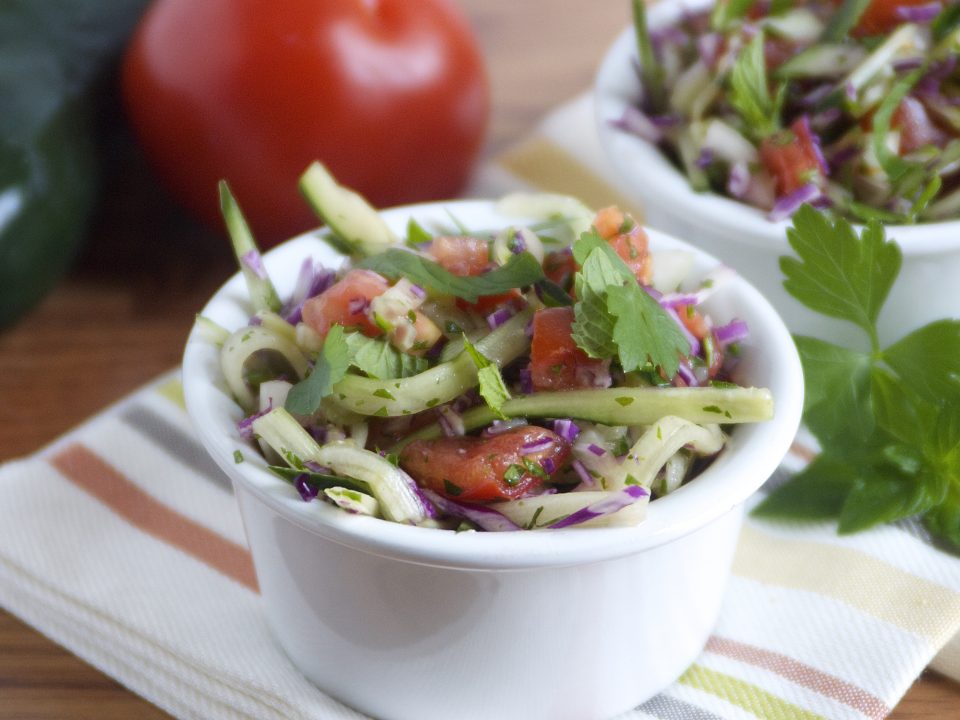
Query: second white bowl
<point x="741" y="235"/>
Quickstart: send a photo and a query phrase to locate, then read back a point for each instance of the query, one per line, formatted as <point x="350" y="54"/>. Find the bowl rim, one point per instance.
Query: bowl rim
<point x="753" y="454"/>
<point x="616" y="85"/>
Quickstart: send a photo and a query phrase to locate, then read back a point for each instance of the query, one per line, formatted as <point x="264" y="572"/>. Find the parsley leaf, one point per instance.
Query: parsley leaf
<point x="930" y="357"/>
<point x="644" y="332"/>
<point x="331" y="366"/>
<point x="380" y="360"/>
<point x="492" y="388"/>
<point x="888" y="421"/>
<point x="521" y="270"/>
<point x="615" y="317"/>
<point x="837" y="388"/>
<point x="839" y="274"/>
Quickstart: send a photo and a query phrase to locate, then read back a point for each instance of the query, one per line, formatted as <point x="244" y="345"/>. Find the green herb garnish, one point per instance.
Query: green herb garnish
<point x="615" y="317"/>
<point x="331" y="366"/>
<point x="888" y="419"/>
<point x="491" y="386"/>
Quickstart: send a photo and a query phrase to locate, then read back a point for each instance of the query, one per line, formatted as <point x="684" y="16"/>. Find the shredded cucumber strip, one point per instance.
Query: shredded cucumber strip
<point x="625" y="406"/>
<point x="658" y="444"/>
<point x="241" y="346"/>
<point x="263" y="296"/>
<point x="438" y="385"/>
<point x="391" y="486"/>
<point x="544" y="510"/>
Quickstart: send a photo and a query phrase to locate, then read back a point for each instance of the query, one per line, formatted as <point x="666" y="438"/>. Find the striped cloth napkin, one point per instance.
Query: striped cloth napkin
<point x="122" y="542"/>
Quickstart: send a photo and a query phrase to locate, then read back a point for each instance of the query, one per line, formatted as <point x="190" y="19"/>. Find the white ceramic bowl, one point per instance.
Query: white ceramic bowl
<point x="415" y="623"/>
<point x="741" y="235"/>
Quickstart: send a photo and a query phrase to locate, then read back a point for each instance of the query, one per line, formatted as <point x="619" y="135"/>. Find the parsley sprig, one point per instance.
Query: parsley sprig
<point x="887" y="420"/>
<point x="616" y="318"/>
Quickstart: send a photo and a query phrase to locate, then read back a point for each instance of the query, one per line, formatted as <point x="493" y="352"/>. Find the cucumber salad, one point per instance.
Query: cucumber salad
<point x="539" y="376"/>
<point x="852" y="105"/>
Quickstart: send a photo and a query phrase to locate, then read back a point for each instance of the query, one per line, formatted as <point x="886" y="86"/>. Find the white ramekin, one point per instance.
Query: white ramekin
<point x="741" y="235"/>
<point x="416" y="624"/>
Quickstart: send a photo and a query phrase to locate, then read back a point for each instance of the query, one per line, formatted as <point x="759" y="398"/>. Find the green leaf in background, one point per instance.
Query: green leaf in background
<point x="882" y="497"/>
<point x="888" y="421"/>
<point x="837" y="383"/>
<point x="520" y="270"/>
<point x="55" y="60"/>
<point x="815" y="493"/>
<point x="839" y="274"/>
<point x="331" y="366"/>
<point x="930" y="357"/>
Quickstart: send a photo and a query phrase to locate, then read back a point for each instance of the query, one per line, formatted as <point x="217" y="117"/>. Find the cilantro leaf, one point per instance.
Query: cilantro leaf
<point x="839" y="274"/>
<point x="331" y="366"/>
<point x="930" y="358"/>
<point x="750" y="93"/>
<point x="380" y="360"/>
<point x="492" y="388"/>
<point x="521" y="270"/>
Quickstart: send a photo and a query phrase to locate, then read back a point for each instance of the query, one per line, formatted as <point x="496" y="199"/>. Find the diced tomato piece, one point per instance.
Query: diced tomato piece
<point x="627" y="238"/>
<point x="632" y="247"/>
<point x="556" y="363"/>
<point x="480" y="469"/>
<point x="608" y="221"/>
<point x="916" y="128"/>
<point x="345" y="303"/>
<point x="881" y="16"/>
<point x="461" y="255"/>
<point x="793" y="157"/>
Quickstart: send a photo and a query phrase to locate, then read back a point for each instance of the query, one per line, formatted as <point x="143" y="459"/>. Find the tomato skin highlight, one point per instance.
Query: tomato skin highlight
<point x="472" y="469"/>
<point x="556" y="363"/>
<point x="391" y="95"/>
<point x="333" y="305"/>
<point x="793" y="158"/>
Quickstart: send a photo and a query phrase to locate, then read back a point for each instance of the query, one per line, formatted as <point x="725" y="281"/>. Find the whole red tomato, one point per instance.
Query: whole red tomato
<point x="392" y="95"/>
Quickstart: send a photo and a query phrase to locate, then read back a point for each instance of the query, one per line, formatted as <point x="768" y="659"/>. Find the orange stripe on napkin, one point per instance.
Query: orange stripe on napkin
<point x="94" y="475"/>
<point x="801" y="674"/>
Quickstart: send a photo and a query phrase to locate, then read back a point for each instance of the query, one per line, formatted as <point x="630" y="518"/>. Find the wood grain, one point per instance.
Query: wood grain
<point x="122" y="315"/>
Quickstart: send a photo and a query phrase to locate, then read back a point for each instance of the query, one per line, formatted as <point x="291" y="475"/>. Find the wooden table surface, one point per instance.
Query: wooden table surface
<point x="120" y="318"/>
